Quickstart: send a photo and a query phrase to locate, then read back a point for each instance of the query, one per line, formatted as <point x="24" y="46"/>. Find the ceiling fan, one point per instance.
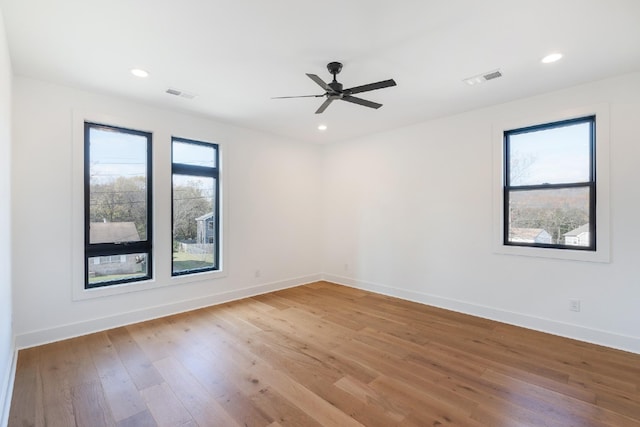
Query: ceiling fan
<point x="333" y="90"/>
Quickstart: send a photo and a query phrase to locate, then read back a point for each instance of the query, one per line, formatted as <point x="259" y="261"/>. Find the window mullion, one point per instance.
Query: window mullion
<point x="549" y="186"/>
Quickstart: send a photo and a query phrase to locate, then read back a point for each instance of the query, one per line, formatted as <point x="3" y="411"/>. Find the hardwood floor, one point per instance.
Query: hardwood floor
<point x="324" y="355"/>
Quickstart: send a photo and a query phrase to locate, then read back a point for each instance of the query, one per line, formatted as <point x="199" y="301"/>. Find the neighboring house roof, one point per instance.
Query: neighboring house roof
<point x="107" y="232"/>
<point x="526" y="234"/>
<point x="578" y="231"/>
<point x="205" y="216"/>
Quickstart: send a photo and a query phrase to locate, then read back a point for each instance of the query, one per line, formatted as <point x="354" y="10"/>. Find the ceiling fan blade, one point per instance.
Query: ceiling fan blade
<point x="325" y="104"/>
<point x="371" y="86"/>
<point x="300" y="96"/>
<point x="361" y="101"/>
<point x="319" y="82"/>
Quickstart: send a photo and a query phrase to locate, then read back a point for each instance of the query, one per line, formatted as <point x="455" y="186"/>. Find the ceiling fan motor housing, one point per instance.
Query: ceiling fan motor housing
<point x="335" y="86"/>
<point x="334" y="68"/>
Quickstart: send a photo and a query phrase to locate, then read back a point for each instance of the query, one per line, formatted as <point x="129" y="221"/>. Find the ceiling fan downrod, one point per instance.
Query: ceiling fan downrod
<point x="335" y="68"/>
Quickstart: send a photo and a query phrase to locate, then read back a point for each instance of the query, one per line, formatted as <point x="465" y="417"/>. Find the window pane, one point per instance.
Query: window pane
<point x="555" y="155"/>
<point x="551" y="216"/>
<point x="113" y="232"/>
<point x="189" y="153"/>
<point x="194" y="223"/>
<point x="117" y="187"/>
<point x="111" y="268"/>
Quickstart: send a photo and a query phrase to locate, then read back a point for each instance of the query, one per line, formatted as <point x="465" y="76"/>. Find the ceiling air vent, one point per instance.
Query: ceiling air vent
<point x="181" y="93"/>
<point x="493" y="75"/>
<point x="481" y="78"/>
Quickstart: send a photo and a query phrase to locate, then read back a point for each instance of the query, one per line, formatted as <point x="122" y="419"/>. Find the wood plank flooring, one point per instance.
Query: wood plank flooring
<point x="324" y="355"/>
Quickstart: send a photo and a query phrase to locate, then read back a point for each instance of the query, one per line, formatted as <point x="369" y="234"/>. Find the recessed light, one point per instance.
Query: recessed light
<point x="139" y="73"/>
<point x="551" y="58"/>
<point x="322" y="127"/>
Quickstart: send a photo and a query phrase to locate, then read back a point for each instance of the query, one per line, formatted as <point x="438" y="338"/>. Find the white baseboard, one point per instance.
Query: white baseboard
<point x="58" y="333"/>
<point x="594" y="336"/>
<point x="6" y="388"/>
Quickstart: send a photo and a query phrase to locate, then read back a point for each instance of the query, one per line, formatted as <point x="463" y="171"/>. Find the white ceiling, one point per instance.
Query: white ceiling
<point x="237" y="54"/>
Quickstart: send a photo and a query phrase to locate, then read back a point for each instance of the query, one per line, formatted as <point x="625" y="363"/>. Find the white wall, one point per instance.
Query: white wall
<point x="6" y="329"/>
<point x="272" y="201"/>
<point x="409" y="213"/>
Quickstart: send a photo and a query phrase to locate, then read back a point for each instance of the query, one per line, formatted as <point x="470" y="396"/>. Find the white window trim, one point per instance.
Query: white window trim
<point x="161" y="197"/>
<point x="602" y="171"/>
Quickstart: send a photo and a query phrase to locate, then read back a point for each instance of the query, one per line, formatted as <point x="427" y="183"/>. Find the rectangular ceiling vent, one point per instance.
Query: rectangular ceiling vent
<point x="181" y="93"/>
<point x="493" y="75"/>
<point x="484" y="77"/>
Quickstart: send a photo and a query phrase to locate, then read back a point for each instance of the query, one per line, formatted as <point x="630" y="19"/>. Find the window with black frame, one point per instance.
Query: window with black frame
<point x="196" y="207"/>
<point x="550" y="185"/>
<point x="117" y="205"/>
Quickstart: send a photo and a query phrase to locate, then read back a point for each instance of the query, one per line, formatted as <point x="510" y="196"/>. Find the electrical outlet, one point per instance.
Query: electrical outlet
<point x="258" y="273"/>
<point x="574" y="304"/>
<point x="346" y="267"/>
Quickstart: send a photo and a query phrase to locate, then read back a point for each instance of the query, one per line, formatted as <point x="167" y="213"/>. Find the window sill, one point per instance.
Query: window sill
<point x="560" y="254"/>
<point x="104" y="291"/>
<point x="80" y="294"/>
<point x="197" y="277"/>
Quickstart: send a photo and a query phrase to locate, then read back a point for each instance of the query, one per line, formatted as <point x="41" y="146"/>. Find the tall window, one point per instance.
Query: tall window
<point x="117" y="205"/>
<point x="196" y="218"/>
<point x="550" y="185"/>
